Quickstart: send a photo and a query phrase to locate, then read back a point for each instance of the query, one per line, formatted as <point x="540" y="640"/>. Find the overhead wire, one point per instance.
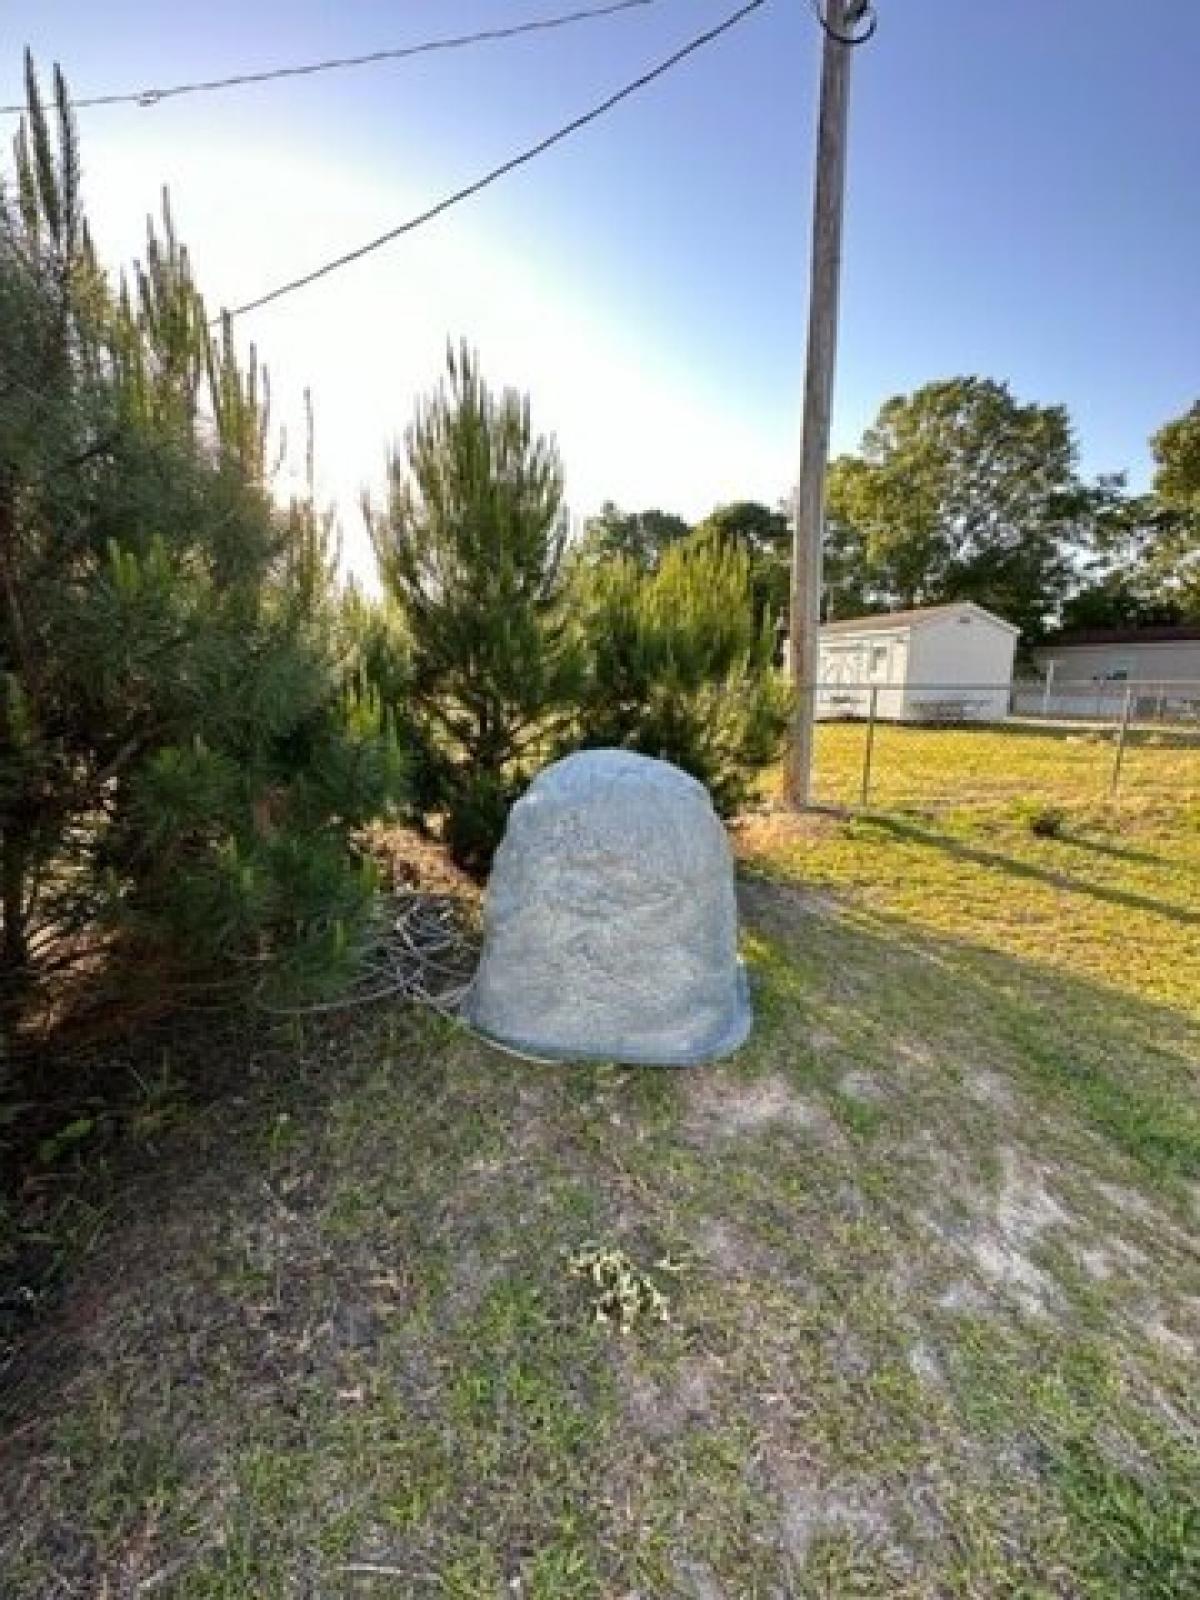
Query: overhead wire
<point x="155" y="96"/>
<point x="530" y="153"/>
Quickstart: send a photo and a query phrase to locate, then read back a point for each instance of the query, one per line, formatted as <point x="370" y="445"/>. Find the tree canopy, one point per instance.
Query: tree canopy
<point x="1176" y="448"/>
<point x="643" y="536"/>
<point x="766" y="537"/>
<point x="959" y="491"/>
<point x="758" y="529"/>
<point x="1173" y="555"/>
<point x="1143" y="567"/>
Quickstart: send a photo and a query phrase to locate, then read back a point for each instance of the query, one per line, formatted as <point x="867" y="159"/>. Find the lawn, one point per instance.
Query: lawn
<point x="980" y="767"/>
<point x="928" y="1245"/>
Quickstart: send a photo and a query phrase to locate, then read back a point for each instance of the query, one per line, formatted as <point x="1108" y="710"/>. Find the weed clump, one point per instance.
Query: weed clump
<point x="622" y="1293"/>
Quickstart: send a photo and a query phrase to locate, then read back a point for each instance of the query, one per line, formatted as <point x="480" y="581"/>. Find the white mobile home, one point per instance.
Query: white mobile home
<point x="1089" y="672"/>
<point x="939" y="664"/>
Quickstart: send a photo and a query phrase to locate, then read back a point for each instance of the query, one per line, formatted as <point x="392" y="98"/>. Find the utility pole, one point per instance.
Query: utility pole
<point x="841" y="18"/>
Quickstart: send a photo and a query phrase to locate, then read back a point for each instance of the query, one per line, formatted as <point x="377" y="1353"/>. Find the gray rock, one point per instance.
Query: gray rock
<point x="610" y="925"/>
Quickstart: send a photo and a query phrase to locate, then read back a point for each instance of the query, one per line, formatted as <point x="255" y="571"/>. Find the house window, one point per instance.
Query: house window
<point x="838" y="663"/>
<point x="879" y="660"/>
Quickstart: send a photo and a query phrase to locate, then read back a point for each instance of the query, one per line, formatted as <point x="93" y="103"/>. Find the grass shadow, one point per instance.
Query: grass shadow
<point x="913" y="833"/>
<point x="1115" y="852"/>
<point x="1124" y="1067"/>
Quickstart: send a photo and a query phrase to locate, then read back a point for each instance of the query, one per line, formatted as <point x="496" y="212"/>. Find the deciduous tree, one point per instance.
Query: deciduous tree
<point x="643" y="536"/>
<point x="961" y="492"/>
<point x="1174" y="555"/>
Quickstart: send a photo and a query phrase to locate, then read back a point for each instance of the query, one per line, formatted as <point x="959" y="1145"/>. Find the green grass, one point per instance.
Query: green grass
<point x="949" y="845"/>
<point x="1020" y="764"/>
<point x="1142" y="1530"/>
<point x="928" y="1245"/>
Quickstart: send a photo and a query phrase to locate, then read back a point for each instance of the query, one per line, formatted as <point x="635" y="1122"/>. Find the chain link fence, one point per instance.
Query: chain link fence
<point x="939" y="747"/>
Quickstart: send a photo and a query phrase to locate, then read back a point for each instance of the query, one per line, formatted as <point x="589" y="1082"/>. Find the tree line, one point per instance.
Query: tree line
<point x="198" y="720"/>
<point x="958" y="491"/>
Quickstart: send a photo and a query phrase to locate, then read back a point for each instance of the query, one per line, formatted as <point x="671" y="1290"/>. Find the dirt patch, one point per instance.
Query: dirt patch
<point x="924" y="1364"/>
<point x="1167" y="1338"/>
<point x="916" y="1052"/>
<point x="1026" y="1207"/>
<point x="661" y="1408"/>
<point x="1158" y="1228"/>
<point x="1128" y="1201"/>
<point x="732" y="1253"/>
<point x="730" y="1108"/>
<point x="771" y="828"/>
<point x="1000" y="1230"/>
<point x="962" y="1298"/>
<point x="697" y="1582"/>
<point x="1097" y="1262"/>
<point x="810" y="1509"/>
<point x="1004" y="1264"/>
<point x="471" y="1277"/>
<point x="861" y="1086"/>
<point x="991" y="1090"/>
<point x="1023" y="1212"/>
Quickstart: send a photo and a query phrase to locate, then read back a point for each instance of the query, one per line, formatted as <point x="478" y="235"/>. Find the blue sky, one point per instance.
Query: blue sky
<point x="1022" y="203"/>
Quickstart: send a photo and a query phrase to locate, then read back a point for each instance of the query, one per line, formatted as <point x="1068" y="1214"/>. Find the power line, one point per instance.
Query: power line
<point x="152" y="97"/>
<point x="505" y="167"/>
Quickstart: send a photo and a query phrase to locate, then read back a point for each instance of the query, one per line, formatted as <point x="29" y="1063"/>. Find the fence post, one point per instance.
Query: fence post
<point x="1050" y="666"/>
<point x="1121" y="732"/>
<point x="869" y="748"/>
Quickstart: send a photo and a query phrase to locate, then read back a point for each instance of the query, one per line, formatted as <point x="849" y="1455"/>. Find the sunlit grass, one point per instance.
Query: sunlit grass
<point x="978" y="767"/>
<point x="951" y="843"/>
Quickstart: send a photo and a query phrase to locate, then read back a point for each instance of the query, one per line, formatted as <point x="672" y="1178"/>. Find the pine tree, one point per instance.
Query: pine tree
<point x="181" y="765"/>
<point x="470" y="546"/>
<point x="680" y="666"/>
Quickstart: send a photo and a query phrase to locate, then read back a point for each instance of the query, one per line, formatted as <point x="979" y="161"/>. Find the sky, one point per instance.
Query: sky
<point x="1021" y="204"/>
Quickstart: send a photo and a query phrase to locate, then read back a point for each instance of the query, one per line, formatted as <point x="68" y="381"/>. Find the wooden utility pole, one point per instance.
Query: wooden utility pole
<point x="809" y="512"/>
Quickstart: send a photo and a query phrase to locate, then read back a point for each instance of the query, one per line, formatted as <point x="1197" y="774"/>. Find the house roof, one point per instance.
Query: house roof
<point x="1162" y="633"/>
<point x="886" y="621"/>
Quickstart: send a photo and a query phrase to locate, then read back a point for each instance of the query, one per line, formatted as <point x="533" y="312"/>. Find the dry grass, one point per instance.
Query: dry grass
<point x="928" y="1244"/>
